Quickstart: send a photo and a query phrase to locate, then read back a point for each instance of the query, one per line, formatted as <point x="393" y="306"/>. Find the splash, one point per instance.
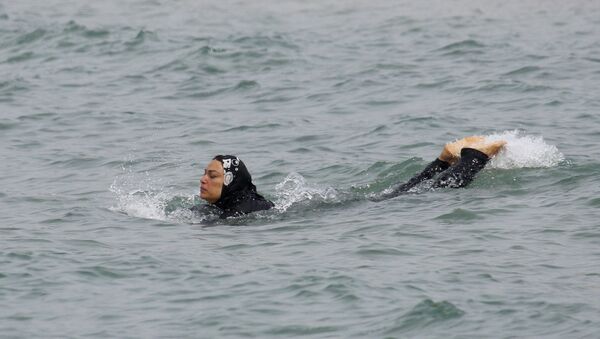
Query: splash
<point x="141" y="204"/>
<point x="141" y="196"/>
<point x="522" y="151"/>
<point x="295" y="190"/>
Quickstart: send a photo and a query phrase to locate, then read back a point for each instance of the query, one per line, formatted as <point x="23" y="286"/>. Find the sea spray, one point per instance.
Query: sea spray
<point x="139" y="202"/>
<point x="524" y="151"/>
<point x="294" y="189"/>
<point x="140" y="195"/>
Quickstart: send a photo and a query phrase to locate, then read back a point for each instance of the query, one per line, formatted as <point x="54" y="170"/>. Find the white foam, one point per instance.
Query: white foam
<point x="294" y="189"/>
<point x="141" y="204"/>
<point x="140" y="195"/>
<point x="522" y="151"/>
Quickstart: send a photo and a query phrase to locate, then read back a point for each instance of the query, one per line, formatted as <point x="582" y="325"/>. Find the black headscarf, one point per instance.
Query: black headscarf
<point x="237" y="182"/>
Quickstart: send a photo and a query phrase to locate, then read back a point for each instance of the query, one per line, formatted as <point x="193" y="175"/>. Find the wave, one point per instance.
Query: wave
<point x="424" y="314"/>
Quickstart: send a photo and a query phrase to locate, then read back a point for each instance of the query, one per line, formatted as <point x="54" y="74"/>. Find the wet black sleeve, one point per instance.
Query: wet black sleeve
<point x="429" y="172"/>
<point x="461" y="174"/>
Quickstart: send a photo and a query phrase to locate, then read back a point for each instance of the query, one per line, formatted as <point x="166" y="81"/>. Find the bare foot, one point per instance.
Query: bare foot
<point x="451" y="152"/>
<point x="489" y="148"/>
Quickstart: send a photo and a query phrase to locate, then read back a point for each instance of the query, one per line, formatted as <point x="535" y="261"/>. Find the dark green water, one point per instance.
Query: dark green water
<point x="109" y="112"/>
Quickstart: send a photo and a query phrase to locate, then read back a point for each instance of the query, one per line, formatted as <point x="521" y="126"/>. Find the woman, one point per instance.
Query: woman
<point x="227" y="184"/>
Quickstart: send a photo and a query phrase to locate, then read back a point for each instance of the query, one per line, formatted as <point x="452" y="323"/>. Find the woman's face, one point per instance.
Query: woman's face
<point x="211" y="183"/>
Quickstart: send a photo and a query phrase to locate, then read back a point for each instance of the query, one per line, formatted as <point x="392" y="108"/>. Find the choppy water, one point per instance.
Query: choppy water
<point x="110" y="110"/>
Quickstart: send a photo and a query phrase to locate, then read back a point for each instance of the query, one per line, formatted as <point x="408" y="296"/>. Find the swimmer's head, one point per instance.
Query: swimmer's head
<point x="223" y="177"/>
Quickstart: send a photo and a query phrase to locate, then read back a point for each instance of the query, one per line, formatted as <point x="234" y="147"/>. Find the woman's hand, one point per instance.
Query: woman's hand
<point x="490" y="148"/>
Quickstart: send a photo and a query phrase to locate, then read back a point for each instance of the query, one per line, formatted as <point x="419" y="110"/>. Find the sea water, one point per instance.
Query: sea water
<point x="109" y="112"/>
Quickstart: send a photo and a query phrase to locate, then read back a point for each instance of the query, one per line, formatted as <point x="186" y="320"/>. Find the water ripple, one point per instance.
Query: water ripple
<point x="111" y="111"/>
<point x="424" y="314"/>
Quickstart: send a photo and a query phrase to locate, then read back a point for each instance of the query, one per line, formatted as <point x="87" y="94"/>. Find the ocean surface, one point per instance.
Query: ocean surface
<point x="110" y="110"/>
